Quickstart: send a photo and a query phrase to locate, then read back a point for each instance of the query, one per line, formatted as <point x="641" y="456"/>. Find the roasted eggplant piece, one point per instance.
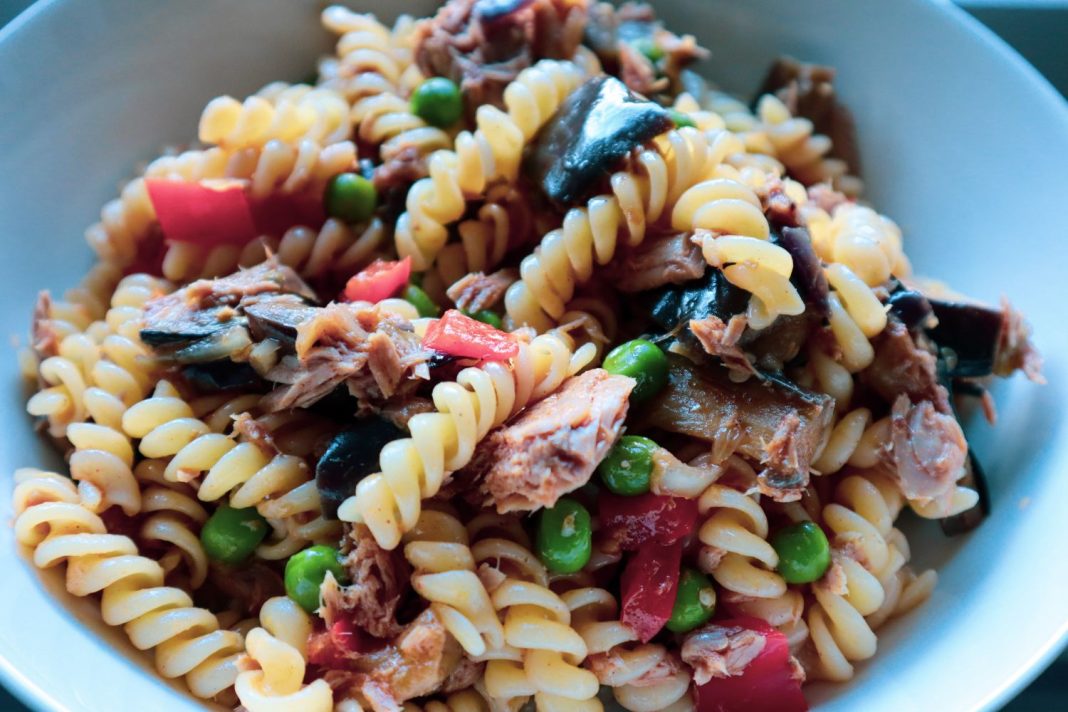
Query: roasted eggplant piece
<point x="672" y="308"/>
<point x="223" y="344"/>
<point x="220" y="376"/>
<point x="594" y="129"/>
<point x="911" y="307"/>
<point x="278" y="318"/>
<point x="351" y="456"/>
<point x="774" y="422"/>
<point x="968" y="335"/>
<point x="181" y="327"/>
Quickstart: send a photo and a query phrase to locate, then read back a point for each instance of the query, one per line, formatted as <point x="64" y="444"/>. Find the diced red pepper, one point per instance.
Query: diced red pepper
<point x="648" y="587"/>
<point x="458" y="335"/>
<point x="277" y="213"/>
<point x="206" y="212"/>
<point x="340" y="643"/>
<point x="633" y="521"/>
<point x="379" y="280"/>
<point x="766" y="685"/>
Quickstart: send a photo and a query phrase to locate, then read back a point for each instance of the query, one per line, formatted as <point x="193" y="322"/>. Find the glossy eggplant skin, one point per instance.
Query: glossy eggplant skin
<point x="911" y="307"/>
<point x="590" y="134"/>
<point x="218" y="376"/>
<point x="278" y="318"/>
<point x="808" y="274"/>
<point x="185" y="328"/>
<point x="671" y="308"/>
<point x="968" y="336"/>
<point x="351" y="456"/>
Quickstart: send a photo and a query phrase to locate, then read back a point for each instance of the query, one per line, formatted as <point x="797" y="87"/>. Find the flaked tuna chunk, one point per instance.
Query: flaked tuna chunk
<point x="476" y="291"/>
<point x="902" y="366"/>
<point x="929" y="449"/>
<point x="553" y="447"/>
<point x="720" y="651"/>
<point x="378" y="580"/>
<point x="671" y="259"/>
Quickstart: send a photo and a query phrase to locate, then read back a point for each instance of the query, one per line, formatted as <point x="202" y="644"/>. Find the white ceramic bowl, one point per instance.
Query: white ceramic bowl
<point x="963" y="144"/>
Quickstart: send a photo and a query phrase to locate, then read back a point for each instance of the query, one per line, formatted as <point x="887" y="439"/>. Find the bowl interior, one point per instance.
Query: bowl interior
<point x="963" y="145"/>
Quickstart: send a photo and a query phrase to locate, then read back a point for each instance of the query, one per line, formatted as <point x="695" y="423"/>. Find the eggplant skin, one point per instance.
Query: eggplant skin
<point x="219" y="376"/>
<point x="351" y="456"/>
<point x="589" y="135"/>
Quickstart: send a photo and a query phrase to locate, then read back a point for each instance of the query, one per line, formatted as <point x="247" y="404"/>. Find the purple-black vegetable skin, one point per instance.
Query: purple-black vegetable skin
<point x="594" y="129"/>
<point x="808" y="274"/>
<point x="911" y="307"/>
<point x="351" y="456"/>
<point x="968" y="336"/>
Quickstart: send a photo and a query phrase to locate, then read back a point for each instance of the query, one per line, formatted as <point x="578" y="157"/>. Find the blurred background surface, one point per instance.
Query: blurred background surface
<point x="1038" y="29"/>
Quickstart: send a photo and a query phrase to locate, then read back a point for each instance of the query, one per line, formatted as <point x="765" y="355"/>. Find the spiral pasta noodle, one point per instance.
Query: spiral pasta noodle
<point x="287" y="112"/>
<point x="737" y="531"/>
<point x="803" y="152"/>
<point x="542" y="653"/>
<point x="277" y="646"/>
<point x="595" y="616"/>
<point x="188" y="640"/>
<point x="491" y="153"/>
<point x="444" y="574"/>
<point x="441" y="442"/>
<point x="174" y="521"/>
<point x="370" y="58"/>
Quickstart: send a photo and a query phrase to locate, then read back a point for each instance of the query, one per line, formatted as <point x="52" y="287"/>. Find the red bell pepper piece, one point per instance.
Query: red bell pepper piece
<point x="462" y="336"/>
<point x="379" y="280"/>
<point x="633" y="521"/>
<point x="648" y="587"/>
<point x="766" y="685"/>
<point x="208" y="213"/>
<point x="335" y="646"/>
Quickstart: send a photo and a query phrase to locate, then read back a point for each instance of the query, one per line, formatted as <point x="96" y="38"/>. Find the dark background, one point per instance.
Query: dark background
<point x="1038" y="29"/>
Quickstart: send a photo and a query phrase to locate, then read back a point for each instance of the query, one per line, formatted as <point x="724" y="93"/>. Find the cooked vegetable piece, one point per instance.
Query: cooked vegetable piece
<point x="220" y="345"/>
<point x="565" y="536"/>
<point x="695" y="601"/>
<point x="648" y="587"/>
<point x="804" y="552"/>
<point x="305" y="572"/>
<point x="632" y="522"/>
<point x="972" y="334"/>
<point x="911" y="307"/>
<point x="672" y="308"/>
<point x="647" y="45"/>
<point x="775" y="422"/>
<point x="680" y="119"/>
<point x="808" y="275"/>
<point x="231" y="535"/>
<point x="458" y="335"/>
<point x="350" y="198"/>
<point x="643" y="361"/>
<point x="379" y="280"/>
<point x="629" y="466"/>
<point x="351" y="455"/>
<point x="220" y="376"/>
<point x="595" y="128"/>
<point x="278" y="318"/>
<point x="209" y="213"/>
<point x="766" y="684"/>
<point x="437" y="101"/>
<point x="487" y="316"/>
<point x="420" y="300"/>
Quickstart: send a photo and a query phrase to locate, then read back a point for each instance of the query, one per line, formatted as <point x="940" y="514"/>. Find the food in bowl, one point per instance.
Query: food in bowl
<point x="508" y="361"/>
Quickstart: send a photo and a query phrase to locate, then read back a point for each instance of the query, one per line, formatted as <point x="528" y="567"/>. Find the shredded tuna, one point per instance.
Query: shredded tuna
<point x="484" y="46"/>
<point x="671" y="259"/>
<point x="43" y="331"/>
<point x="929" y="449"/>
<point x="638" y="73"/>
<point x="466" y="674"/>
<point x="477" y="291"/>
<point x="616" y="663"/>
<point x="720" y="651"/>
<point x="244" y="588"/>
<point x="397" y="172"/>
<point x="378" y="581"/>
<point x="377" y="356"/>
<point x="251" y="430"/>
<point x="1015" y="350"/>
<point x="902" y="366"/>
<point x="709" y="558"/>
<point x="834" y="579"/>
<point x="785" y="478"/>
<point x="721" y="340"/>
<point x="399" y="413"/>
<point x="416" y="663"/>
<point x="553" y="447"/>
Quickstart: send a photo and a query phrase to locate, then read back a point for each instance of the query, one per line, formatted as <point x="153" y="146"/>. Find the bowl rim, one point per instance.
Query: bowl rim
<point x="27" y="691"/>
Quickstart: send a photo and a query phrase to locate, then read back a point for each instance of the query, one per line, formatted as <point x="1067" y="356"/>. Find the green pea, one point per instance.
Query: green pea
<point x="681" y="119"/>
<point x="350" y="198"/>
<point x="649" y="47"/>
<point x="305" y="572"/>
<point x="695" y="601"/>
<point x="565" y="537"/>
<point x="643" y="361"/>
<point x="231" y="535"/>
<point x="420" y="300"/>
<point x="437" y="101"/>
<point x="629" y="465"/>
<point x="804" y="552"/>
<point x="488" y="317"/>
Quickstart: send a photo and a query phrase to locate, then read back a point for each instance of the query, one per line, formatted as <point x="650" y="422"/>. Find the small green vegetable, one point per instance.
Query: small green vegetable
<point x="681" y="119"/>
<point x="350" y="198"/>
<point x="695" y="601"/>
<point x="420" y="300"/>
<point x="804" y="552"/>
<point x="649" y="47"/>
<point x="565" y="537"/>
<point x="305" y="572"/>
<point x="231" y="535"/>
<point x="643" y="361"/>
<point x="437" y="101"/>
<point x="488" y="317"/>
<point x="629" y="465"/>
